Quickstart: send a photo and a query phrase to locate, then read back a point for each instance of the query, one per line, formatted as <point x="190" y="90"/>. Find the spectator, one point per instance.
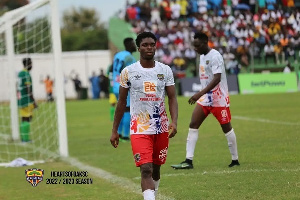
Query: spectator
<point x="94" y="79"/>
<point x="287" y="68"/>
<point x="167" y="58"/>
<point x="175" y="8"/>
<point x="49" y="88"/>
<point x="77" y="85"/>
<point x="104" y="84"/>
<point x="269" y="53"/>
<point x="278" y="51"/>
<point x="240" y="29"/>
<point x="190" y="59"/>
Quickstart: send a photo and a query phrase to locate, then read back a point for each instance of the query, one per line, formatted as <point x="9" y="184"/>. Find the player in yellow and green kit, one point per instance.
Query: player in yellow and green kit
<point x="26" y="101"/>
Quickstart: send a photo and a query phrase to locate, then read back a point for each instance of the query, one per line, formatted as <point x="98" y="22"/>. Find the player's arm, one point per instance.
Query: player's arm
<point x="31" y="97"/>
<point x="173" y="107"/>
<point x="120" y="109"/>
<point x="216" y="80"/>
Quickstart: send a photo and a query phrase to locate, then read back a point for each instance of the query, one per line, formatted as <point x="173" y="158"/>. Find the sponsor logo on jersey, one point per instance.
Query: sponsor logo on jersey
<point x="34" y="176"/>
<point x="207" y="62"/>
<point x="149" y="86"/>
<point x="160" y="77"/>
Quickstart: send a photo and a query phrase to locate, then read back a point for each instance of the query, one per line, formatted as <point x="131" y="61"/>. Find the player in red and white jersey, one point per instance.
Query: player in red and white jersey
<point x="147" y="82"/>
<point x="212" y="98"/>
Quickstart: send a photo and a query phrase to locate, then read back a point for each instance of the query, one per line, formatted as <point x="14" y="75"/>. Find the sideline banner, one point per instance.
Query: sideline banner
<point x="189" y="86"/>
<point x="267" y="83"/>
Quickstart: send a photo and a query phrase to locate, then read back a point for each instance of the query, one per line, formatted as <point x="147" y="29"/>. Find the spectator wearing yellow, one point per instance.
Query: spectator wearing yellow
<point x="278" y="51"/>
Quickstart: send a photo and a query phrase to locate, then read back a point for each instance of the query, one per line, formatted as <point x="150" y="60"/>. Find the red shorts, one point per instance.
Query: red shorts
<point x="222" y="114"/>
<point x="149" y="148"/>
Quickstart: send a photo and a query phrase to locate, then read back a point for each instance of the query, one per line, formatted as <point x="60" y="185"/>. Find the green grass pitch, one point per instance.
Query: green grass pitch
<point x="268" y="136"/>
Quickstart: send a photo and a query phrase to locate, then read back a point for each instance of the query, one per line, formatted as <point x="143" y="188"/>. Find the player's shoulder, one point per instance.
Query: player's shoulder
<point x="162" y="65"/>
<point x="132" y="66"/>
<point x="129" y="58"/>
<point x="122" y="54"/>
<point x="23" y="73"/>
<point x="215" y="53"/>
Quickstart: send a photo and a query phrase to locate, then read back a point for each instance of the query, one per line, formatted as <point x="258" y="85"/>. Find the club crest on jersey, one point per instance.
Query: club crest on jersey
<point x="34" y="176"/>
<point x="137" y="157"/>
<point x="207" y="62"/>
<point x="160" y="77"/>
<point x="149" y="87"/>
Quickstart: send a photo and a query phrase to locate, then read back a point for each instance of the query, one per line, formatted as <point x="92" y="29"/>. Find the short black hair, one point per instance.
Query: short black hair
<point x="127" y="41"/>
<point x="27" y="61"/>
<point x="144" y="35"/>
<point x="201" y="36"/>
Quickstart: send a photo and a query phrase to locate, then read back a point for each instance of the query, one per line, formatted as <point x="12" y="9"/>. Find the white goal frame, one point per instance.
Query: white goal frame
<point x="6" y="26"/>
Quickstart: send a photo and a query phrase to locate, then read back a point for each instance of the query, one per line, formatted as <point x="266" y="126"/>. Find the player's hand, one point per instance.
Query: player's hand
<point x="195" y="98"/>
<point x="172" y="129"/>
<point x="114" y="139"/>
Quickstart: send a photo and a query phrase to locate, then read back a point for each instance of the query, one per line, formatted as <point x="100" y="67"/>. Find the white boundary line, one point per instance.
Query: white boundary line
<point x="265" y="121"/>
<point x="229" y="172"/>
<point x="120" y="181"/>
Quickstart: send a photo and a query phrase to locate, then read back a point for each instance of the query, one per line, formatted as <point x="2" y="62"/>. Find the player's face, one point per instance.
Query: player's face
<point x="147" y="48"/>
<point x="29" y="66"/>
<point x="200" y="46"/>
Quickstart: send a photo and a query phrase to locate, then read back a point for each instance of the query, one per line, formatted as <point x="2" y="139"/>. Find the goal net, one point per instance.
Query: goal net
<point x="31" y="31"/>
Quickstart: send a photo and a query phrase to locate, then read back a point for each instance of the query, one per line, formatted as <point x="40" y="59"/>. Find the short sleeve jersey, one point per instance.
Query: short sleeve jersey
<point x="24" y="82"/>
<point x="121" y="60"/>
<point x="210" y="64"/>
<point x="147" y="95"/>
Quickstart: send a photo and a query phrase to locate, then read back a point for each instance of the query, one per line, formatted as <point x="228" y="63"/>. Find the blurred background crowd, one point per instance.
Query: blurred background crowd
<point x="246" y="32"/>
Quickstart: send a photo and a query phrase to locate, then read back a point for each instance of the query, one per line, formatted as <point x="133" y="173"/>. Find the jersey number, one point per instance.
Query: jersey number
<point x="119" y="63"/>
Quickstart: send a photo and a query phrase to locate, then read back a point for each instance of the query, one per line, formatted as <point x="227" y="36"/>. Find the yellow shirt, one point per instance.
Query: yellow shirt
<point x="277" y="49"/>
<point x="183" y="7"/>
<point x="179" y="61"/>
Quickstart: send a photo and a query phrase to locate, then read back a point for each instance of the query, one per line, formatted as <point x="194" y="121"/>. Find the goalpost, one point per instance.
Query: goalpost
<point x="32" y="31"/>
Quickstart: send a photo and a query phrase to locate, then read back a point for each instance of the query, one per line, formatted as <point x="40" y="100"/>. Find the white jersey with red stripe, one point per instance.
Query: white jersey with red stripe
<point x="210" y="64"/>
<point x="147" y="95"/>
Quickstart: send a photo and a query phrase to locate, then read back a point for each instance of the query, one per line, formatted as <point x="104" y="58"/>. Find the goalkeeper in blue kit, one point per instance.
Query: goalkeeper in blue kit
<point x="121" y="60"/>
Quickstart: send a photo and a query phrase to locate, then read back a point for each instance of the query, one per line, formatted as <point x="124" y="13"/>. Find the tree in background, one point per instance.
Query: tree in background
<point x="7" y="5"/>
<point x="82" y="30"/>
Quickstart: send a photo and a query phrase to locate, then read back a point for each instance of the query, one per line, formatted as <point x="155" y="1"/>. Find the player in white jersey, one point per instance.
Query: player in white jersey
<point x="147" y="82"/>
<point x="212" y="98"/>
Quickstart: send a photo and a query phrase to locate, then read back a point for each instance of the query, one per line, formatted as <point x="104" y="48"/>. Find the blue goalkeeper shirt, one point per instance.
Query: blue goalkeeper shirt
<point x="121" y="60"/>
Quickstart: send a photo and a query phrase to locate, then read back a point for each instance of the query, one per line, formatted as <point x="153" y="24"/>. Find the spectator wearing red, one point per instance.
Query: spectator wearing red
<point x="131" y="12"/>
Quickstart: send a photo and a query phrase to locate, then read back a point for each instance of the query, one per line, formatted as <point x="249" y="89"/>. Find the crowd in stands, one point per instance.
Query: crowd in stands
<point x="242" y="30"/>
